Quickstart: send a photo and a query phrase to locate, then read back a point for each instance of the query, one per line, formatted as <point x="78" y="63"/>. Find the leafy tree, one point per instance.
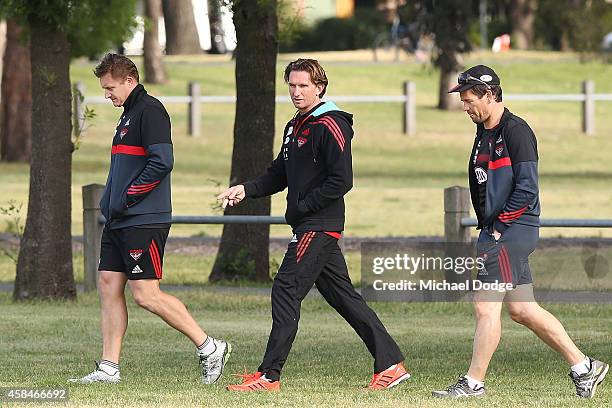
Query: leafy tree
<point x="58" y="30"/>
<point x="449" y="21"/>
<point x="573" y="24"/>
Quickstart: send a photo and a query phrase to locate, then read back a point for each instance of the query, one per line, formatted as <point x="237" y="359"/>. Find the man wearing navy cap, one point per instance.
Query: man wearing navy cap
<point x="503" y="176"/>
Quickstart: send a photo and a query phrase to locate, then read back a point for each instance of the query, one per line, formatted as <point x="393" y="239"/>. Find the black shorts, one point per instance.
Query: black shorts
<point x="136" y="251"/>
<point x="506" y="260"/>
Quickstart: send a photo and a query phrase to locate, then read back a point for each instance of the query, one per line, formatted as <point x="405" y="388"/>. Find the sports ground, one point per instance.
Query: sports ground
<point x="398" y="192"/>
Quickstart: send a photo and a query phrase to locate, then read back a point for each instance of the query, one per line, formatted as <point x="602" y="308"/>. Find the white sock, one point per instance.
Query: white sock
<point x="263" y="377"/>
<point x="582" y="367"/>
<point x="473" y="383"/>
<point x="109" y="367"/>
<point x="208" y="347"/>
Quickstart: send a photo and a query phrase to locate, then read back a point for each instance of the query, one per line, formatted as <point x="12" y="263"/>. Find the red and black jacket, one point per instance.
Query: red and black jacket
<point x="510" y="170"/>
<point x="315" y="164"/>
<point x="138" y="186"/>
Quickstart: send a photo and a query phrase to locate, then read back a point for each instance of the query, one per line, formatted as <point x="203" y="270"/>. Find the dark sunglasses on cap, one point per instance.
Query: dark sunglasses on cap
<point x="464" y="78"/>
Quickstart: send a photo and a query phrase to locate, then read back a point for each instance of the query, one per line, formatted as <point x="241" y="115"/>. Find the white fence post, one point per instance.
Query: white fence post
<point x="194" y="109"/>
<point x="409" y="119"/>
<point x="588" y="107"/>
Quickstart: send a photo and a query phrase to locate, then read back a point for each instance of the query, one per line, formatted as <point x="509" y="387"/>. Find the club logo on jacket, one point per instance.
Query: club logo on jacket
<point x="136" y="253"/>
<point x="123" y="132"/>
<point x="499" y="150"/>
<point x="476" y="151"/>
<point x="301" y="141"/>
<point x="481" y="175"/>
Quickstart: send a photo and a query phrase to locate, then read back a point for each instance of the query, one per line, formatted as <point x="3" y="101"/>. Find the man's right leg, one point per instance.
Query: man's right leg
<point x="114" y="316"/>
<point x="301" y="266"/>
<point x="113" y="319"/>
<point x="487" y="308"/>
<point x="487" y="334"/>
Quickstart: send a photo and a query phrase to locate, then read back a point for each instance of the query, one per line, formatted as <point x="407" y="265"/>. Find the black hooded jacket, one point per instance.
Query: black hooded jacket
<point x="315" y="164"/>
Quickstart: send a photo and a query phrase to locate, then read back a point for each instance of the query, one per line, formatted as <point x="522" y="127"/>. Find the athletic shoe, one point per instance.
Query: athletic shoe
<point x="460" y="389"/>
<point x="212" y="364"/>
<point x="389" y="378"/>
<point x="254" y="382"/>
<point x="586" y="384"/>
<point x="98" y="375"/>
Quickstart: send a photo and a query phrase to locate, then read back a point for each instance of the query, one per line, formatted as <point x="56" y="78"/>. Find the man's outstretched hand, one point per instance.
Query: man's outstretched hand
<point x="232" y="196"/>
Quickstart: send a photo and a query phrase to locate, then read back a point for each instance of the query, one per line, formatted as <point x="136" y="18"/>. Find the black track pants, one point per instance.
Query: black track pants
<point x="315" y="258"/>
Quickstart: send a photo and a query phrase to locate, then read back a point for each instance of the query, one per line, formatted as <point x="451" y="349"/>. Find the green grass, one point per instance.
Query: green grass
<point x="398" y="179"/>
<point x="328" y="366"/>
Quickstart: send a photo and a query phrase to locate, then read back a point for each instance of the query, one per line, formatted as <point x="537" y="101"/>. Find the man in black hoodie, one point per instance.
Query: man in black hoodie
<point x="136" y="205"/>
<point x="503" y="175"/>
<point x="315" y="165"/>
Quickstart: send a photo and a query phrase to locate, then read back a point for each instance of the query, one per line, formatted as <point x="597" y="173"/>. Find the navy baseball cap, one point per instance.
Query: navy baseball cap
<point x="478" y="75"/>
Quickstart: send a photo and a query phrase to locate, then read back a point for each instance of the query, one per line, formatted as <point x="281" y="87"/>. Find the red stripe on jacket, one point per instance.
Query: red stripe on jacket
<point x="509" y="216"/>
<point x="332" y="126"/>
<point x="129" y="150"/>
<point x="499" y="163"/>
<point x="142" y="188"/>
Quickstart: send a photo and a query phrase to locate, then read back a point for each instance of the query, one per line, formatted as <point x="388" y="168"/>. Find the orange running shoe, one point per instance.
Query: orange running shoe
<point x="389" y="378"/>
<point x="254" y="382"/>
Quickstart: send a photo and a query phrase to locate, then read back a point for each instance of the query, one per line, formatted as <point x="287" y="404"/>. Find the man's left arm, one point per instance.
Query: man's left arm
<point x="336" y="151"/>
<point x="522" y="148"/>
<point x="156" y="139"/>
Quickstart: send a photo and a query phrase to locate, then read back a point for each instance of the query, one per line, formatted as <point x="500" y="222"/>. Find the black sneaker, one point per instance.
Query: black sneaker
<point x="460" y="389"/>
<point x="586" y="384"/>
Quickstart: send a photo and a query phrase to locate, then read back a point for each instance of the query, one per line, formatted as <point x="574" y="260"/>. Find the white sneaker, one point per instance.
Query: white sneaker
<point x="98" y="375"/>
<point x="212" y="364"/>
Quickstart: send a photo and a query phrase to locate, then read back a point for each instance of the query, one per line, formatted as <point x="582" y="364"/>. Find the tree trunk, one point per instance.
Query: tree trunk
<point x="181" y="32"/>
<point x="450" y="66"/>
<point x="448" y="101"/>
<point x="523" y="17"/>
<point x="2" y="46"/>
<point x="217" y="36"/>
<point x="16" y="105"/>
<point x="450" y="21"/>
<point x="244" y="249"/>
<point x="44" y="267"/>
<point x="155" y="72"/>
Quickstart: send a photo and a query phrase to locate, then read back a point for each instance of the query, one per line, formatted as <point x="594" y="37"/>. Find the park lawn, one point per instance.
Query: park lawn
<point x="328" y="366"/>
<point x="399" y="180"/>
